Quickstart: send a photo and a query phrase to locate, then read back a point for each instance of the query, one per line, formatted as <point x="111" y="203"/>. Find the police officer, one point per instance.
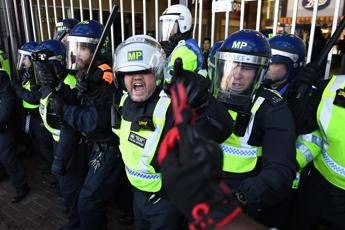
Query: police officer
<point x="323" y="123"/>
<point x="191" y="168"/>
<point x="259" y="170"/>
<point x="92" y="118"/>
<point x="7" y="146"/>
<point x="144" y="116"/>
<point x="177" y="42"/>
<point x="28" y="91"/>
<point x="288" y="55"/>
<point x="63" y="28"/>
<point x="68" y="164"/>
<point x="4" y="62"/>
<point x="4" y="65"/>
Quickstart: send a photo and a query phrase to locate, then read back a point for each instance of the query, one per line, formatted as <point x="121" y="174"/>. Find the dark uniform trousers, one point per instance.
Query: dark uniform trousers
<point x="154" y="212"/>
<point x="69" y="184"/>
<point x="105" y="169"/>
<point x="11" y="163"/>
<point x="42" y="140"/>
<point x="315" y="192"/>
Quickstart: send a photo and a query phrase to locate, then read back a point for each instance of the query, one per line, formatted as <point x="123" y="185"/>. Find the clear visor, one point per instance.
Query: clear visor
<point x="24" y="60"/>
<point x="79" y="52"/>
<point x="293" y="57"/>
<point x="235" y="82"/>
<point x="168" y="26"/>
<point x="40" y="68"/>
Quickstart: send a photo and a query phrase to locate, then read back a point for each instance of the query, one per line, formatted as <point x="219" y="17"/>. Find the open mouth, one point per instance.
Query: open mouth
<point x="138" y="86"/>
<point x="237" y="86"/>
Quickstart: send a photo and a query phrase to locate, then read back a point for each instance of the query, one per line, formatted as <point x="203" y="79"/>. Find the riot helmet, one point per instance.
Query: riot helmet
<point x="24" y="61"/>
<point x="81" y="44"/>
<point x="174" y="25"/>
<point x="139" y="54"/>
<point x="241" y="64"/>
<point x="63" y="28"/>
<point x="288" y="51"/>
<point x="50" y="58"/>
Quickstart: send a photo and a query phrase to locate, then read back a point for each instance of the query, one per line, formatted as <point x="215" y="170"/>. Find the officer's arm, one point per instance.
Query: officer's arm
<point x="215" y="123"/>
<point x="274" y="181"/>
<point x="69" y="95"/>
<point x="304" y="109"/>
<point x="7" y="104"/>
<point x="308" y="147"/>
<point x="81" y="118"/>
<point x="33" y="96"/>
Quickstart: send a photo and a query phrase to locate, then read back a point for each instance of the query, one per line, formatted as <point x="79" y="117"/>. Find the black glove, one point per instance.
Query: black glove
<point x="197" y="86"/>
<point x="96" y="76"/>
<point x="306" y="77"/>
<point x="46" y="76"/>
<point x="27" y="76"/>
<point x="58" y="166"/>
<point x="56" y="106"/>
<point x="82" y="85"/>
<point x="190" y="167"/>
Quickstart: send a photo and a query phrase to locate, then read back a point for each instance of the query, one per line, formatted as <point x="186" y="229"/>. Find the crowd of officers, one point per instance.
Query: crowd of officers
<point x="253" y="139"/>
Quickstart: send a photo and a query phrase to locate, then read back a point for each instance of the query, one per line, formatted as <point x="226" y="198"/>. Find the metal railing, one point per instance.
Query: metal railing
<point x="38" y="28"/>
<point x="275" y="23"/>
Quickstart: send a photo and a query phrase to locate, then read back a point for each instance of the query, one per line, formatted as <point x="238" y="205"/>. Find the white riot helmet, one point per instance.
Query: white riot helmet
<point x="139" y="53"/>
<point x="175" y="19"/>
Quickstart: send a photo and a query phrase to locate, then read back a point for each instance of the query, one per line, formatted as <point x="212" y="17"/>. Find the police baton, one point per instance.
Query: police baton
<point x="324" y="53"/>
<point x="114" y="12"/>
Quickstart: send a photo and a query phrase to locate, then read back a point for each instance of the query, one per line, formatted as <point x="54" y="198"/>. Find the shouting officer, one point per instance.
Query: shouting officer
<point x="144" y="116"/>
<point x="259" y="170"/>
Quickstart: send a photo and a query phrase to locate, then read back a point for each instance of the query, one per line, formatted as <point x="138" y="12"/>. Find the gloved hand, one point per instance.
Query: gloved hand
<point x="56" y="106"/>
<point x="45" y="74"/>
<point x="305" y="78"/>
<point x="197" y="87"/>
<point x="309" y="74"/>
<point x="96" y="76"/>
<point x="27" y="76"/>
<point x="190" y="167"/>
<point x="82" y="85"/>
<point x="58" y="166"/>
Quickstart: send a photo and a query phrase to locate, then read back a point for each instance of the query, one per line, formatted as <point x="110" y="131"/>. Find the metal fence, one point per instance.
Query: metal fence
<point x="36" y="24"/>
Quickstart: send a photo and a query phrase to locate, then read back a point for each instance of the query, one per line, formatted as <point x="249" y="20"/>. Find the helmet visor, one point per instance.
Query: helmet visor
<point x="40" y="69"/>
<point x="44" y="63"/>
<point x="79" y="52"/>
<point x="168" y="26"/>
<point x="23" y="60"/>
<point x="236" y="82"/>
